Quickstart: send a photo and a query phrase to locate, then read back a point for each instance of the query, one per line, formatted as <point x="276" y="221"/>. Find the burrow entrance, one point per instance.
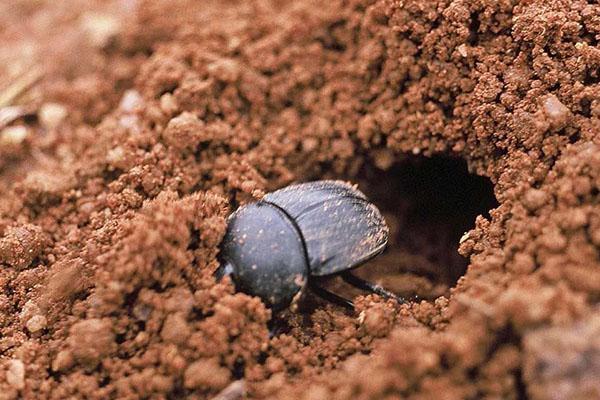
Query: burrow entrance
<point x="428" y="203"/>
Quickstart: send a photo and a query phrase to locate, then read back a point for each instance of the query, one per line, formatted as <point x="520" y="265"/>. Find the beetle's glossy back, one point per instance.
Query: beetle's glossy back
<point x="340" y="227"/>
<point x="266" y="253"/>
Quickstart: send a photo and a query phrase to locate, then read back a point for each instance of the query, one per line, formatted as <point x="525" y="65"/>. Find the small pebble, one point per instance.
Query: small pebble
<point x="36" y="323"/>
<point x="15" y="376"/>
<point x="115" y="155"/>
<point x="13" y="135"/>
<point x="168" y="104"/>
<point x="100" y="28"/>
<point x="555" y="110"/>
<point x="51" y="115"/>
<point x="130" y="101"/>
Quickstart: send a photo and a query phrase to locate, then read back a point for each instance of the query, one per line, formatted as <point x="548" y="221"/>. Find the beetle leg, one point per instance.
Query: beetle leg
<point x="225" y="269"/>
<point x="370" y="287"/>
<point x="330" y="296"/>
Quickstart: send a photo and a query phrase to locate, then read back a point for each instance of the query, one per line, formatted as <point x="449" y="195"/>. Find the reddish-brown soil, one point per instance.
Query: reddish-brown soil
<point x="130" y="129"/>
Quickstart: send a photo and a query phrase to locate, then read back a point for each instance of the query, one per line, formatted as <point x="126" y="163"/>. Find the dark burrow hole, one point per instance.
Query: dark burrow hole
<point x="428" y="203"/>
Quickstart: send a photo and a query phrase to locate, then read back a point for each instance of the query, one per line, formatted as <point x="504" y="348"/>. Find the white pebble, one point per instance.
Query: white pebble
<point x="36" y="323"/>
<point x="554" y="108"/>
<point x="15" y="376"/>
<point x="115" y="155"/>
<point x="130" y="101"/>
<point x="13" y="135"/>
<point x="51" y="115"/>
<point x="100" y="28"/>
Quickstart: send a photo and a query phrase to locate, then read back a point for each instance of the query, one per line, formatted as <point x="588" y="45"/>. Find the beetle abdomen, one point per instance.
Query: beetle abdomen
<point x="340" y="228"/>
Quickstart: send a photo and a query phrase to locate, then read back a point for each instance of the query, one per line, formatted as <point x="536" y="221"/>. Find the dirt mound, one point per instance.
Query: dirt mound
<point x="138" y="126"/>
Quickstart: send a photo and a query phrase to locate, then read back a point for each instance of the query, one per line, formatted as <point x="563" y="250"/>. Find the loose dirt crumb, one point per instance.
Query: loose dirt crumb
<point x="90" y="341"/>
<point x="20" y="245"/>
<point x="562" y="362"/>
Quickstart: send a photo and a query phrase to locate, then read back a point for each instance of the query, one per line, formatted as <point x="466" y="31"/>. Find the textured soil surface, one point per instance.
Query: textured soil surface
<point x="130" y="129"/>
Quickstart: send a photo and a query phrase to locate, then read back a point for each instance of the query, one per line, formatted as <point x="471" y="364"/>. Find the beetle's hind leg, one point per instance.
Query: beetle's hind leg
<point x="330" y="296"/>
<point x="360" y="283"/>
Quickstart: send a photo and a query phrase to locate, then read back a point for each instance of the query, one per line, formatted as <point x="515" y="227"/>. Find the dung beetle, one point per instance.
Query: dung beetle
<point x="279" y="245"/>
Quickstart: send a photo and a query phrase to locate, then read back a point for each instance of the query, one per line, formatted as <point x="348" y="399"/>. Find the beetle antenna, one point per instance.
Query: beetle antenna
<point x="370" y="287"/>
<point x="330" y="296"/>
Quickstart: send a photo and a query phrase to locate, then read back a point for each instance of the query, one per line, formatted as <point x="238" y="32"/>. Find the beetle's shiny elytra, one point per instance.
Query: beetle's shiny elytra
<point x="273" y="247"/>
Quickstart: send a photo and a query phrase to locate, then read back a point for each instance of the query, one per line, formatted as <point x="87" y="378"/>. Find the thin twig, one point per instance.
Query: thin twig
<point x="10" y="113"/>
<point x="19" y="86"/>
